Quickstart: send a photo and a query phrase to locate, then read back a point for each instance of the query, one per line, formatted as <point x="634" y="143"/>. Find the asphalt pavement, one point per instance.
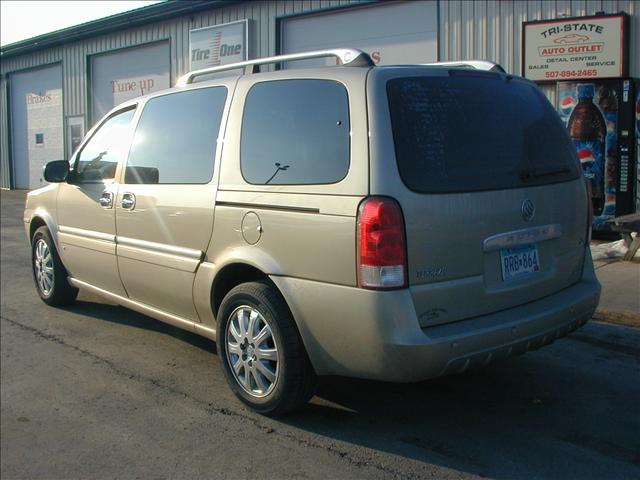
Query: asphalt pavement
<point x="98" y="391"/>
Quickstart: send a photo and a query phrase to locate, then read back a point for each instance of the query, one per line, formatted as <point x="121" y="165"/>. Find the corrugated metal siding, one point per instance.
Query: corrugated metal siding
<point x="489" y="29"/>
<point x="262" y="14"/>
<point x="492" y="29"/>
<point x="5" y="172"/>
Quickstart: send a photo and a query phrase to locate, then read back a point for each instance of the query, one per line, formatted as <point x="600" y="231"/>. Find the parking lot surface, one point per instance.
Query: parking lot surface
<point x="96" y="391"/>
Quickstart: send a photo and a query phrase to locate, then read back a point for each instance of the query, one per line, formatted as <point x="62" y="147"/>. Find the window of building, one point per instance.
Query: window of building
<point x="295" y="132"/>
<point x="99" y="158"/>
<point x="175" y="140"/>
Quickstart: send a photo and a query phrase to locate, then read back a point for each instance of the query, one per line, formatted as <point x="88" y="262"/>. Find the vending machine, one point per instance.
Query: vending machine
<point x="638" y="147"/>
<point x="602" y="120"/>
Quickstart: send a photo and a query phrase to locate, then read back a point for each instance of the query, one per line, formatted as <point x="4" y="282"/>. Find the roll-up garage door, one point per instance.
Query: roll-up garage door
<point x="36" y="123"/>
<point x="392" y="33"/>
<point x="125" y="74"/>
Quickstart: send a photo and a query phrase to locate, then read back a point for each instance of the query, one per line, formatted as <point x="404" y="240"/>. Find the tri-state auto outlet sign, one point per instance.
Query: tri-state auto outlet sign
<point x="575" y="48"/>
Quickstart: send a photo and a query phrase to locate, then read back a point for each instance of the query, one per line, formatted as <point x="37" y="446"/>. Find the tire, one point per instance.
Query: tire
<point x="266" y="386"/>
<point x="49" y="273"/>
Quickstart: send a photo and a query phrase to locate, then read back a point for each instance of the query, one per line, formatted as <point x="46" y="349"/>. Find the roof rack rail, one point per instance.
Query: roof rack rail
<point x="351" y="57"/>
<point x="477" y="64"/>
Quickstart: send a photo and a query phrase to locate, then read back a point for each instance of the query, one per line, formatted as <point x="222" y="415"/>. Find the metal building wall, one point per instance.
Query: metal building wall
<point x="263" y="15"/>
<point x="492" y="29"/>
<point x="5" y="165"/>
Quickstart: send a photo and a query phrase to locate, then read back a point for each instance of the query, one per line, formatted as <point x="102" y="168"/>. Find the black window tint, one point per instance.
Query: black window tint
<point x="175" y="140"/>
<point x="476" y="131"/>
<point x="100" y="156"/>
<point x="295" y="132"/>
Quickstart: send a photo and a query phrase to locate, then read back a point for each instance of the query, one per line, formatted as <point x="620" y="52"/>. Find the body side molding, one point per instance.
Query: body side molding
<point x="153" y="312"/>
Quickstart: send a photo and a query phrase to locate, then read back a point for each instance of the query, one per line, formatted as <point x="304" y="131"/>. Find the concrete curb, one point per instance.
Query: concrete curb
<point x="628" y="319"/>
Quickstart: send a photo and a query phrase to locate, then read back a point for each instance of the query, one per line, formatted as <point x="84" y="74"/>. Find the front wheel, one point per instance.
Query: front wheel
<point x="261" y="352"/>
<point x="49" y="273"/>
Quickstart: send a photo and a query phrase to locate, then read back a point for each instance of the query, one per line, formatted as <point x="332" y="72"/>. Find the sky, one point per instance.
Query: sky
<point x="20" y="20"/>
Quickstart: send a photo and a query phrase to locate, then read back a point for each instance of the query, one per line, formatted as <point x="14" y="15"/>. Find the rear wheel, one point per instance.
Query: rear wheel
<point x="261" y="352"/>
<point x="49" y="273"/>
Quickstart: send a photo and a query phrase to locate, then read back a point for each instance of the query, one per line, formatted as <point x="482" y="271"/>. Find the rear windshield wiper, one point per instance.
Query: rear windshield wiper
<point x="529" y="174"/>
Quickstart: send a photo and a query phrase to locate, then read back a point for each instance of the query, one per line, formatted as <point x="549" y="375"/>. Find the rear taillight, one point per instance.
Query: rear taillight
<point x="381" y="250"/>
<point x="589" y="212"/>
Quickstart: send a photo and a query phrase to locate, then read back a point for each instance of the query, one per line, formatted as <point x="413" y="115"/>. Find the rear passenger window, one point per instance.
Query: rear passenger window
<point x="175" y="141"/>
<point x="295" y="132"/>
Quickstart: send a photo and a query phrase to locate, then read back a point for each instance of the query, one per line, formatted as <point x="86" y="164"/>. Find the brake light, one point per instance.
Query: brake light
<point x="381" y="250"/>
<point x="589" y="212"/>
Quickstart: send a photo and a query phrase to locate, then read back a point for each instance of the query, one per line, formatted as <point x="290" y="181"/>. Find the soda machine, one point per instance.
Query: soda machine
<point x="602" y="120"/>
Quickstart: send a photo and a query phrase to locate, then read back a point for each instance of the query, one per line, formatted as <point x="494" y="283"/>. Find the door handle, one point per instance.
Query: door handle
<point x="106" y="199"/>
<point x="128" y="201"/>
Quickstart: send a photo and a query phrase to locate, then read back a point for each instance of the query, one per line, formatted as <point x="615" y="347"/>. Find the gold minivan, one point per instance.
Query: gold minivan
<point x="385" y="222"/>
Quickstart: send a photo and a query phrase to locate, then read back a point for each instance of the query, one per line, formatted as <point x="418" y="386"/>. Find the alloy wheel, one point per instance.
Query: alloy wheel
<point x="43" y="266"/>
<point x="252" y="351"/>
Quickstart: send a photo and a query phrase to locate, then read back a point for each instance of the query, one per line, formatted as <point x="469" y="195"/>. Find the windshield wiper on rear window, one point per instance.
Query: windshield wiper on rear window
<point x="530" y="174"/>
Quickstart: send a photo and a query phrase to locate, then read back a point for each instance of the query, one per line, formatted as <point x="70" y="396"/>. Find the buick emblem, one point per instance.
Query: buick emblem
<point x="528" y="210"/>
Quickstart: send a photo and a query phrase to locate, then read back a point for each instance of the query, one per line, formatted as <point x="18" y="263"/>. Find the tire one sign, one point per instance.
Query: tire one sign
<point x="218" y="45"/>
<point x="575" y="48"/>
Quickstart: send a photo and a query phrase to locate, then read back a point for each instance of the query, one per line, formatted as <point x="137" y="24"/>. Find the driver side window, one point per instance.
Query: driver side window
<point x="110" y="144"/>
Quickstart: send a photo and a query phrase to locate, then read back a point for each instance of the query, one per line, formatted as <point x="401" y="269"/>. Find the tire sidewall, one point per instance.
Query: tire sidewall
<point x="230" y="303"/>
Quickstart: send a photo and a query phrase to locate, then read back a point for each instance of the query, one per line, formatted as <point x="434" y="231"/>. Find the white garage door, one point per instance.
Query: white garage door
<point x="36" y="123"/>
<point x="126" y="74"/>
<point x="395" y="32"/>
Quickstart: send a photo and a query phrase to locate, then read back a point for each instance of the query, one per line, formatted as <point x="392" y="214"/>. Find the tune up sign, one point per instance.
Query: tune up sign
<point x="575" y="48"/>
<point x="218" y="45"/>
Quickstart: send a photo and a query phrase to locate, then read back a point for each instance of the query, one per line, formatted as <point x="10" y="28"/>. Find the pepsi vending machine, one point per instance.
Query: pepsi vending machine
<point x="602" y="120"/>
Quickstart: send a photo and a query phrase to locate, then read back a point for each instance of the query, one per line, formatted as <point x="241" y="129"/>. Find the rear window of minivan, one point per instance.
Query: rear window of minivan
<point x="471" y="131"/>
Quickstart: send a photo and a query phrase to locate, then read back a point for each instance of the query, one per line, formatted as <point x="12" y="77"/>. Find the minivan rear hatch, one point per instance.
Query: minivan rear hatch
<point x="489" y="184"/>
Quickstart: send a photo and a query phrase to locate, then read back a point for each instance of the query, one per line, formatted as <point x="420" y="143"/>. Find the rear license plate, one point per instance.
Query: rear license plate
<point x="519" y="262"/>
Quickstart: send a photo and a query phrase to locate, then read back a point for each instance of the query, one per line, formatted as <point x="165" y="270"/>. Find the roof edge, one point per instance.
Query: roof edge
<point x="120" y="21"/>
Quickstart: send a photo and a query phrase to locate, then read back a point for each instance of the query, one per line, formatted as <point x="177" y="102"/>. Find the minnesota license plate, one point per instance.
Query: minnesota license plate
<point x="519" y="262"/>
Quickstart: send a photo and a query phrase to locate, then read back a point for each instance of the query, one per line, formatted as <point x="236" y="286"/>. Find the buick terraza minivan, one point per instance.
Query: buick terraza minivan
<point x="394" y="223"/>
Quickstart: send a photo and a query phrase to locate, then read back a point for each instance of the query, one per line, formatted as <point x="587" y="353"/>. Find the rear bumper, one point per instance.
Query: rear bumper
<point x="376" y="335"/>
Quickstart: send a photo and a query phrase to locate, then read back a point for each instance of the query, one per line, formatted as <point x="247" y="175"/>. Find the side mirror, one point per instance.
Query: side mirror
<point x="56" y="171"/>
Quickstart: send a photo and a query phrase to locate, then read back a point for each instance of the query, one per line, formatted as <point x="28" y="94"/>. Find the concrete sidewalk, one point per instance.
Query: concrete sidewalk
<point x="620" y="300"/>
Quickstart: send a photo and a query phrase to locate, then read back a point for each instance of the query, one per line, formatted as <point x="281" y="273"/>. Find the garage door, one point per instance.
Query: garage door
<point x="125" y="74"/>
<point x="36" y="123"/>
<point x="397" y="32"/>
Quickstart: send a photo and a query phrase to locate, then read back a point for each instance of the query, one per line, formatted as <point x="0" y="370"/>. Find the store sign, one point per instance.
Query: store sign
<point x="575" y="48"/>
<point x="123" y="89"/>
<point x="218" y="45"/>
<point x="121" y="75"/>
<point x="138" y="86"/>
